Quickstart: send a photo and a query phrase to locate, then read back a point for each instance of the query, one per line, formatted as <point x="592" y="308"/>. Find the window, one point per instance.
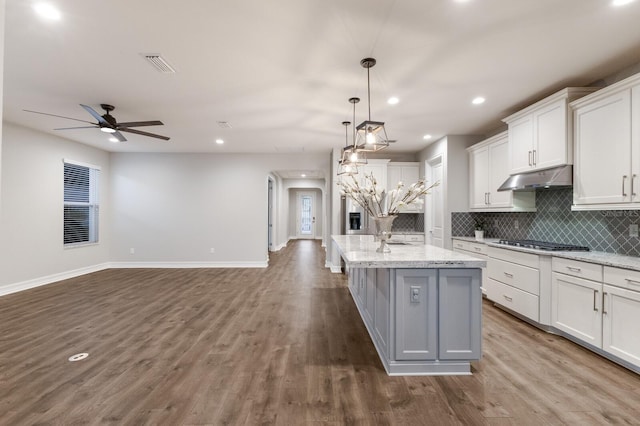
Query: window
<point x="81" y="206"/>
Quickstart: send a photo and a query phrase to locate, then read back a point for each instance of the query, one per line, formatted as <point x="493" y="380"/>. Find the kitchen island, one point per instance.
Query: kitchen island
<point x="422" y="305"/>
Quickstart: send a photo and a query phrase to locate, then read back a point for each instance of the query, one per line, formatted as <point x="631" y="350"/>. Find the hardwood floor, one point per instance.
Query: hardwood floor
<point x="282" y="345"/>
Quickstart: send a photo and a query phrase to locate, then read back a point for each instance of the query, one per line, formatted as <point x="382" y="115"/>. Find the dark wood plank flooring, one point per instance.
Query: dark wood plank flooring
<point x="282" y="345"/>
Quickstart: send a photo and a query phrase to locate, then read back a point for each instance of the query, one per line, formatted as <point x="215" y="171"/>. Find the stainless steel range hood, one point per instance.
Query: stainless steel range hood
<point x="558" y="177"/>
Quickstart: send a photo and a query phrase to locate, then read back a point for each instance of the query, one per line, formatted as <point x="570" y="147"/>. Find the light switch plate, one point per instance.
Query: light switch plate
<point x="633" y="230"/>
<point x="414" y="295"/>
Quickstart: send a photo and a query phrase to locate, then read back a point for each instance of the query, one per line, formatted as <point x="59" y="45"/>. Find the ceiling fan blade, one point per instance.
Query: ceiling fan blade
<point x="138" y="132"/>
<point x="119" y="136"/>
<point x="59" y="116"/>
<point x="141" y="123"/>
<point x="96" y="115"/>
<point x="81" y="127"/>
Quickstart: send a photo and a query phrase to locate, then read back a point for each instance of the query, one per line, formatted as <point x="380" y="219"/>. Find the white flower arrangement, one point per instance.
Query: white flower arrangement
<point x="376" y="202"/>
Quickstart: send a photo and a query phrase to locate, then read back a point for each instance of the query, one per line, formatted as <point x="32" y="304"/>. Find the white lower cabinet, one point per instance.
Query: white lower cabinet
<point x="514" y="281"/>
<point x="598" y="305"/>
<point x="478" y="250"/>
<point x="576" y="307"/>
<point x="620" y="323"/>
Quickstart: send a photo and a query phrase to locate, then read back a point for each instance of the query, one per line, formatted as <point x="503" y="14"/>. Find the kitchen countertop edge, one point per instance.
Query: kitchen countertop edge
<point x="597" y="257"/>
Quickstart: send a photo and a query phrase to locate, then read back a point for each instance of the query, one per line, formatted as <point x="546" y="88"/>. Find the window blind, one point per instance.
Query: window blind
<point x="81" y="207"/>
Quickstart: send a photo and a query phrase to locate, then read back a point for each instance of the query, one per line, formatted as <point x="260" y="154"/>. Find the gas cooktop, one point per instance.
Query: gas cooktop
<point x="543" y="245"/>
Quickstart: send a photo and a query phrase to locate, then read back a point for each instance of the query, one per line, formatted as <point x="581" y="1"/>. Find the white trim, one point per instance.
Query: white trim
<point x="279" y="247"/>
<point x="335" y="269"/>
<point x="50" y="279"/>
<point x="80" y="163"/>
<point x="189" y="265"/>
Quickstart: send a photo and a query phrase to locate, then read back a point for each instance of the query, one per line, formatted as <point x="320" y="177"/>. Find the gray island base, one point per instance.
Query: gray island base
<point x="422" y="305"/>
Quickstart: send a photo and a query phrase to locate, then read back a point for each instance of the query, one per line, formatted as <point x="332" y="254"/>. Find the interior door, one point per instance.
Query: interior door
<point x="435" y="208"/>
<point x="306" y="215"/>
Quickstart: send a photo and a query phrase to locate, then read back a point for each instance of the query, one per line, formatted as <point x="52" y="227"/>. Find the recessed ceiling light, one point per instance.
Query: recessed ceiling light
<point x="47" y="11"/>
<point x="621" y="2"/>
<point x="114" y="140"/>
<point x="219" y="141"/>
<point x="393" y="100"/>
<point x="303" y="175"/>
<point x="478" y="100"/>
<point x="426" y="137"/>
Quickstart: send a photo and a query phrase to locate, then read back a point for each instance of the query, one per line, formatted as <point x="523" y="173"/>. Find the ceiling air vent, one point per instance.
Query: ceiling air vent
<point x="159" y="63"/>
<point x="224" y="124"/>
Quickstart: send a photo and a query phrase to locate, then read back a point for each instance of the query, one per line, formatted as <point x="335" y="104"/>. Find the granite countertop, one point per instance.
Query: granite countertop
<point x="597" y="257"/>
<point x="360" y="251"/>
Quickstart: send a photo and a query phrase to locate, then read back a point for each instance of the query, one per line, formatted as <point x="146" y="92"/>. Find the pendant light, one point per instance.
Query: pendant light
<point x="350" y="153"/>
<point x="372" y="135"/>
<point x="346" y="167"/>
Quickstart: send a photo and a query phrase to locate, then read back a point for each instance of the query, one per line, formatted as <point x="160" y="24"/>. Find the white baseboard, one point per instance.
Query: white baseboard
<point x="49" y="279"/>
<point x="188" y="265"/>
<point x="335" y="269"/>
<point x="279" y="247"/>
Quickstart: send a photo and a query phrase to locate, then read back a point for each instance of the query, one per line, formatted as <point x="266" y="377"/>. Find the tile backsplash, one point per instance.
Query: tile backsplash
<point x="409" y="222"/>
<point x="606" y="230"/>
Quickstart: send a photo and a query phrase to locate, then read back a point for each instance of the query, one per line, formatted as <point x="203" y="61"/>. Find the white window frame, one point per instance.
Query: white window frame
<point x="93" y="203"/>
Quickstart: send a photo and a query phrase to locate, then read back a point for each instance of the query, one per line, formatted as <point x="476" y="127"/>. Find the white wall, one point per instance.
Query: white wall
<point x="173" y="208"/>
<point x="455" y="171"/>
<point x="31" y="215"/>
<point x="2" y="26"/>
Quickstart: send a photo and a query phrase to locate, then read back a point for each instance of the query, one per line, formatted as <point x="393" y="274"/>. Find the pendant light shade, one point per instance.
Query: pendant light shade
<point x="346" y="166"/>
<point x="371" y="135"/>
<point x="350" y="153"/>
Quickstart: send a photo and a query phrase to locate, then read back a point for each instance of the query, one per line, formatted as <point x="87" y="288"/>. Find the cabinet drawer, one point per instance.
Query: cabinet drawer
<point x="518" y="276"/>
<point x="519" y="301"/>
<point x="415" y="238"/>
<point x="576" y="268"/>
<point x="478" y="248"/>
<point x="513" y="256"/>
<point x="462" y="245"/>
<point x="624" y="278"/>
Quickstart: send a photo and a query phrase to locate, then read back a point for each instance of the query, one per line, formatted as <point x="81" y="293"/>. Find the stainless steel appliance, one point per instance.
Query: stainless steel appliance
<point x="543" y="245"/>
<point x="356" y="219"/>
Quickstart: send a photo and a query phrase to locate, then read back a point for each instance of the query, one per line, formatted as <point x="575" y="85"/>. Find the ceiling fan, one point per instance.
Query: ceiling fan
<point x="108" y="124"/>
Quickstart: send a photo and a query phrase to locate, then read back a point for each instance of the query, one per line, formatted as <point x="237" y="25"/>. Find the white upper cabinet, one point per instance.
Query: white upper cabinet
<point x="407" y="173"/>
<point x="540" y="135"/>
<point x="379" y="170"/>
<point x="607" y="148"/>
<point x="488" y="169"/>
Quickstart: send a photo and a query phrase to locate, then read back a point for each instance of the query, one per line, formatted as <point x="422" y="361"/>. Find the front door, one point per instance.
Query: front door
<point x="306" y="216"/>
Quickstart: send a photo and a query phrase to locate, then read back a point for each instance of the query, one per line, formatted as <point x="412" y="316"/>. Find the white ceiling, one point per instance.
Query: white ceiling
<point x="281" y="71"/>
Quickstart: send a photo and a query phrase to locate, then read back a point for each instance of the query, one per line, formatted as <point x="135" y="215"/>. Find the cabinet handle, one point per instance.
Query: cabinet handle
<point x="530" y="162"/>
<point x="624" y="178"/>
<point x="508" y="274"/>
<point x="604" y="311"/>
<point x="571" y="268"/>
<point x="534" y="157"/>
<point x="633" y="177"/>
<point x="489" y="198"/>
<point x="510" y="299"/>
<point x="595" y="295"/>
<point x="479" y="249"/>
<point x="630" y="281"/>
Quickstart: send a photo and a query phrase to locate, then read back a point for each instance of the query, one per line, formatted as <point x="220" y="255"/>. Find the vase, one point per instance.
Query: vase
<point x="382" y="228"/>
<point x="479" y="235"/>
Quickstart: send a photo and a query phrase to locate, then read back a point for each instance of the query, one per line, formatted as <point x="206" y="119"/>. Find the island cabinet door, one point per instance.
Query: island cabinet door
<point x="416" y="315"/>
<point x="460" y="314"/>
<point x="381" y="312"/>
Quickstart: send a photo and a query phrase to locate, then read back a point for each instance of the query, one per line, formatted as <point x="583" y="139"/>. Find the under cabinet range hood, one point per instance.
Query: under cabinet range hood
<point x="558" y="177"/>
